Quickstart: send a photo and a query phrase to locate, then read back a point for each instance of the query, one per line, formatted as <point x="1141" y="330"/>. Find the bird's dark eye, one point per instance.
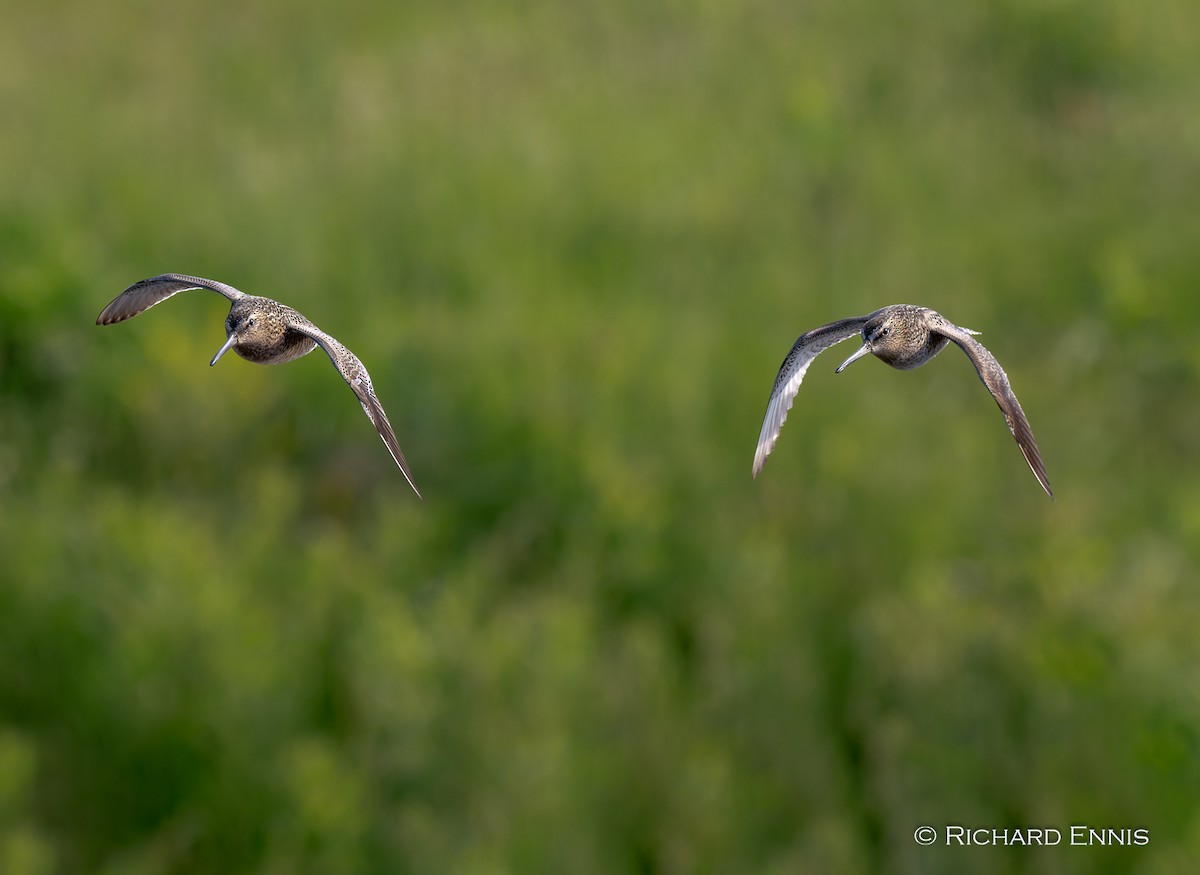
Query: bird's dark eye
<point x="887" y="329"/>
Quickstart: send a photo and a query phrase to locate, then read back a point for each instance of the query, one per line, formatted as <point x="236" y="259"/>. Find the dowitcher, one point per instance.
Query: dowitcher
<point x="904" y="337"/>
<point x="267" y="332"/>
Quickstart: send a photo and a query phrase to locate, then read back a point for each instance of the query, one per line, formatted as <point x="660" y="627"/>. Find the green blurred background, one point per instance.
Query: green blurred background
<point x="572" y="242"/>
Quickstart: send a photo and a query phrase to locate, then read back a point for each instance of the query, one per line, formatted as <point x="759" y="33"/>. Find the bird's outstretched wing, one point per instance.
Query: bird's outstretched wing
<point x="355" y="374"/>
<point x="791" y="374"/>
<point x="996" y="380"/>
<point x="145" y="294"/>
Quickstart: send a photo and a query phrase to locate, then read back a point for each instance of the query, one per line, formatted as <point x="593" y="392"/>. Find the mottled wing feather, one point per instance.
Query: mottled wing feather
<point x="996" y="380"/>
<point x="791" y="374"/>
<point x="356" y="376"/>
<point x="145" y="294"/>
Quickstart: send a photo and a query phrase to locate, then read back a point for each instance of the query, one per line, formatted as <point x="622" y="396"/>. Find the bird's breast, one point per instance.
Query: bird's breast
<point x="912" y="355"/>
<point x="290" y="345"/>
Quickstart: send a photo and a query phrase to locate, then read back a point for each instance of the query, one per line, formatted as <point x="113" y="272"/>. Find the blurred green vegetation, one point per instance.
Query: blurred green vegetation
<point x="572" y="242"/>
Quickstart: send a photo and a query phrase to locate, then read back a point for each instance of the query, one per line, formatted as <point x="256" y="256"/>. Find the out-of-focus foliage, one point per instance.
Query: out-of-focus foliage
<point x="572" y="243"/>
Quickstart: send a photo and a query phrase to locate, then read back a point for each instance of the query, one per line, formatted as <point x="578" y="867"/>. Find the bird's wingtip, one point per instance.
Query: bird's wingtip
<point x="403" y="466"/>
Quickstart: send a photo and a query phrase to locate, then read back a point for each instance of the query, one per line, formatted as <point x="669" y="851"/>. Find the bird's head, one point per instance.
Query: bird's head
<point x="875" y="333"/>
<point x="243" y="324"/>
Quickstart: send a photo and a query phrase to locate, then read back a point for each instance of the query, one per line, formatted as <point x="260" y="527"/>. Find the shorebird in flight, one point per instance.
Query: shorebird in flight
<point x="266" y="332"/>
<point x="905" y="337"/>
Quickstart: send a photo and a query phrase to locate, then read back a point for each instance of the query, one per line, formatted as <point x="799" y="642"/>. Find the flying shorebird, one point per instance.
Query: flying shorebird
<point x="267" y="332"/>
<point x="905" y="337"/>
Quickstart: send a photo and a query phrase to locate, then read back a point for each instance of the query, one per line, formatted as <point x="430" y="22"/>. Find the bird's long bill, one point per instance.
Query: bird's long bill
<point x="229" y="341"/>
<point x="858" y="353"/>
